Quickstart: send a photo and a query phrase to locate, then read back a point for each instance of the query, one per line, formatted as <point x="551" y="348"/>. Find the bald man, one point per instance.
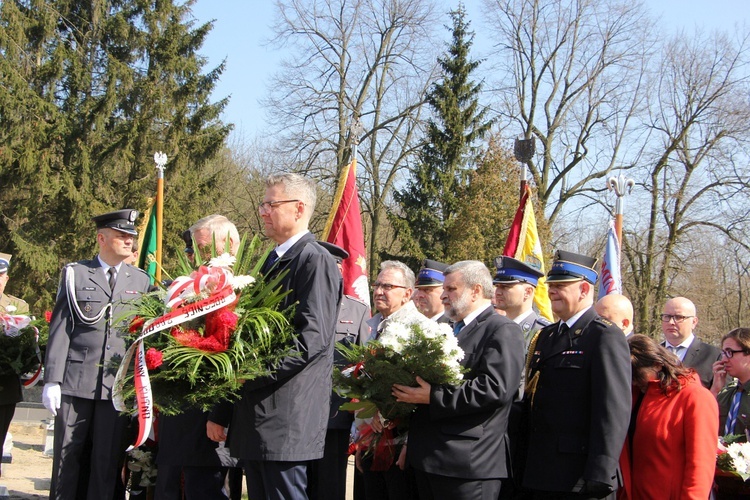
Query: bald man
<point x="619" y="310"/>
<point x="678" y="323"/>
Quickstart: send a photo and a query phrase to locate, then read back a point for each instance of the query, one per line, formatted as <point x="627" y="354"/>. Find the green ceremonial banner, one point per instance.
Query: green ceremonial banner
<point x="147" y="245"/>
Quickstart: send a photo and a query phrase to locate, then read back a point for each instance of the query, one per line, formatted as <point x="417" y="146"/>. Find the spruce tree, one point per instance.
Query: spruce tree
<point x="428" y="204"/>
<point x="88" y="92"/>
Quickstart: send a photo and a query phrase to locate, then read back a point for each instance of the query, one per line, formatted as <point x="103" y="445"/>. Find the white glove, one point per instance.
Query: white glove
<point x="51" y="397"/>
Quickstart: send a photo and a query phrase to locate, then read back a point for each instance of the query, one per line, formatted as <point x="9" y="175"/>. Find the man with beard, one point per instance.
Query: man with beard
<point x="458" y="442"/>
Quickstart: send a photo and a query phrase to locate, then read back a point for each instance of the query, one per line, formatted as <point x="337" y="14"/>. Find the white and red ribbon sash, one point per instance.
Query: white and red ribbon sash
<point x="205" y="280"/>
<point x="222" y="298"/>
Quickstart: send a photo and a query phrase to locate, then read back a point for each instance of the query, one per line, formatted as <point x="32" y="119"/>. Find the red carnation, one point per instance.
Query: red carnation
<point x="48" y="316"/>
<point x="136" y="324"/>
<point x="154" y="358"/>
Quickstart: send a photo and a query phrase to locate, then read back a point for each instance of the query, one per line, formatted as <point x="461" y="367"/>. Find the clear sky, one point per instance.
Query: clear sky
<point x="241" y="29"/>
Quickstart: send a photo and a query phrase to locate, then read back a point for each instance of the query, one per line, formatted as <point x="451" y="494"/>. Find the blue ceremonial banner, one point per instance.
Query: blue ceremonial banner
<point x="610" y="279"/>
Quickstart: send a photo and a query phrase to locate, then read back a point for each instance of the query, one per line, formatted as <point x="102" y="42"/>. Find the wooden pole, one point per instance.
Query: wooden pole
<point x="161" y="160"/>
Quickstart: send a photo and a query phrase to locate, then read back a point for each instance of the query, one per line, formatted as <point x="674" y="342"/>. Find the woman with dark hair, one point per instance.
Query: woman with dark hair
<point x="670" y="451"/>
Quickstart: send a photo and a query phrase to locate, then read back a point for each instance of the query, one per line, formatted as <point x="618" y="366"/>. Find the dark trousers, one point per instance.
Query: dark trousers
<point x="393" y="484"/>
<point x="204" y="483"/>
<point x="437" y="487"/>
<point x="168" y="482"/>
<point x="269" y="480"/>
<point x="6" y="415"/>
<point x="86" y="427"/>
<point x="326" y="478"/>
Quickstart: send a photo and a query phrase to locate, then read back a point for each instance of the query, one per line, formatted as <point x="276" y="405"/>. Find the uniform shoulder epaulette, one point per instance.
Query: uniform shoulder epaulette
<point x="356" y="299"/>
<point x="604" y="321"/>
<point x="137" y="269"/>
<point x="543" y="321"/>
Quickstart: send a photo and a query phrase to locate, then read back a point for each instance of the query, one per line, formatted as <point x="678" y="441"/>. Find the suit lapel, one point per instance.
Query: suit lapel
<point x="691" y="352"/>
<point x="557" y="346"/>
<point x="290" y="254"/>
<point x="123" y="278"/>
<point x="96" y="275"/>
<point x="465" y="333"/>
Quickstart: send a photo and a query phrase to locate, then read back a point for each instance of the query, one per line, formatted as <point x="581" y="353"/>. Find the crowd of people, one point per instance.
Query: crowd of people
<point x="579" y="408"/>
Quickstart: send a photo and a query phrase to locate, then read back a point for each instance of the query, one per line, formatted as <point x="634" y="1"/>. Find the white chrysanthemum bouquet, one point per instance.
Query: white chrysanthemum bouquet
<point x="415" y="346"/>
<point x="734" y="456"/>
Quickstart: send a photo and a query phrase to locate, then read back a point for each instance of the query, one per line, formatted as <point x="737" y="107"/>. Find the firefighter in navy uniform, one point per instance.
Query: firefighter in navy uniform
<point x="578" y="391"/>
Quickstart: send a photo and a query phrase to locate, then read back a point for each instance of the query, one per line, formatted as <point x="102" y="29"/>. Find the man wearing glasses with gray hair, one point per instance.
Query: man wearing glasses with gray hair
<point x="678" y="323"/>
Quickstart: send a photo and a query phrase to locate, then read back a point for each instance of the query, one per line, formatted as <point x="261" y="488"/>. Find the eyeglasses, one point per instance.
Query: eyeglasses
<point x="729" y="353"/>
<point x="386" y="287"/>
<point x="267" y="206"/>
<point x="676" y="317"/>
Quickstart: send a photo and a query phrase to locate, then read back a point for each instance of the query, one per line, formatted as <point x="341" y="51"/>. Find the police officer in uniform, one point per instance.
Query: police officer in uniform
<point x="515" y="284"/>
<point x="10" y="384"/>
<point x="427" y="291"/>
<point x="84" y="350"/>
<point x="578" y="391"/>
<point x="327" y="476"/>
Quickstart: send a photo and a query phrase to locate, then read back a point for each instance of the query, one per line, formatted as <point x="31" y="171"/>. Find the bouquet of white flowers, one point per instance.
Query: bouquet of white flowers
<point x="409" y="347"/>
<point x="733" y="456"/>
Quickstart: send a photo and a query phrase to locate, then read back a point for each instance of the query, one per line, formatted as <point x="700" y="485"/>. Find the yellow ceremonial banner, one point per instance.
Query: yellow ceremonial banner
<point x="529" y="249"/>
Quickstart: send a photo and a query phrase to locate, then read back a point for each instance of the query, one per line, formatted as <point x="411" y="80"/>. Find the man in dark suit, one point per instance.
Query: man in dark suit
<point x="428" y="289"/>
<point x="578" y="391"/>
<point x="678" y="323"/>
<point x="279" y="424"/>
<point x="10" y="384"/>
<point x="83" y="353"/>
<point x="184" y="448"/>
<point x="457" y="436"/>
<point x="327" y="476"/>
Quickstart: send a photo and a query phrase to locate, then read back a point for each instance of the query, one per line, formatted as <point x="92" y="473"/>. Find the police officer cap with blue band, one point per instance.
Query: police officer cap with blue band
<point x="510" y="271"/>
<point x="431" y="273"/>
<point x="338" y="253"/>
<point x="120" y="220"/>
<point x="569" y="266"/>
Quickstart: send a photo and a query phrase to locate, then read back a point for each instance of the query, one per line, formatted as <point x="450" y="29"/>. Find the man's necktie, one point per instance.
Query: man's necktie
<point x="270" y="261"/>
<point x="563" y="329"/>
<point x="112" y="278"/>
<point x="457" y="327"/>
<point x="675" y="350"/>
<point x="734" y="410"/>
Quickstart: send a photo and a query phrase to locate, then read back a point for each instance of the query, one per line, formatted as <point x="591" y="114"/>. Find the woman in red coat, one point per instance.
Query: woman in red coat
<point x="670" y="452"/>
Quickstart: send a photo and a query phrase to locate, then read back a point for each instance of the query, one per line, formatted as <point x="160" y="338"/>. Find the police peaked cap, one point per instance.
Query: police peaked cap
<point x="338" y="253"/>
<point x="569" y="266"/>
<point x="120" y="220"/>
<point x="510" y="271"/>
<point x="431" y="273"/>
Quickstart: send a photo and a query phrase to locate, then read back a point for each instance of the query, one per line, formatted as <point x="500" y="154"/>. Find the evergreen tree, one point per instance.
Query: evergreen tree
<point x="428" y="204"/>
<point x="88" y="92"/>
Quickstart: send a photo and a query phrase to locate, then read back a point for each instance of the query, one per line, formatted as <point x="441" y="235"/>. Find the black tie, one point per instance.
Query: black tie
<point x="563" y="329"/>
<point x="112" y="278"/>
